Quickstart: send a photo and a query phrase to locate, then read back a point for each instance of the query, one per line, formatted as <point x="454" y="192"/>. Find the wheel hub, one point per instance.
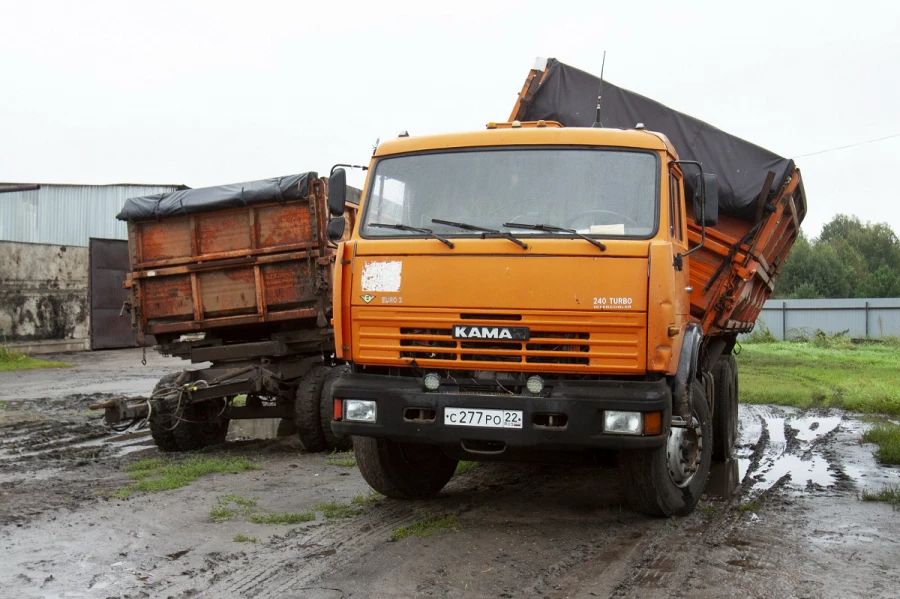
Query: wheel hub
<point x="683" y="451"/>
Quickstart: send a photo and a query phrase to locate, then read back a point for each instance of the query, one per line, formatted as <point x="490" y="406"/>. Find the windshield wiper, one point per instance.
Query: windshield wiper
<point x="554" y="229"/>
<point x="469" y="227"/>
<point x="428" y="232"/>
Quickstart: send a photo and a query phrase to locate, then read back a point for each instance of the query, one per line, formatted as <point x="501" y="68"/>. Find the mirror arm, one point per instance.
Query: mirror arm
<point x="679" y="258"/>
<point x="337" y="166"/>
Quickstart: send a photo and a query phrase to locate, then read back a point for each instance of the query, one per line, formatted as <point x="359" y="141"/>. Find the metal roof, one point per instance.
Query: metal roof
<point x="67" y="214"/>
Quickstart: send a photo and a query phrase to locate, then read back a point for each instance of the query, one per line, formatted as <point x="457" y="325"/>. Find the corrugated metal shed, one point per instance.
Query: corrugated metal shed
<point x="67" y="214"/>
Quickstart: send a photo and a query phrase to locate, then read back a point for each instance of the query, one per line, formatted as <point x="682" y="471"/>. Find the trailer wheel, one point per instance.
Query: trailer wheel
<point x="201" y="425"/>
<point x="725" y="413"/>
<point x="306" y="409"/>
<point x="161" y="421"/>
<point x="326" y="411"/>
<point x="668" y="481"/>
<point x="403" y="470"/>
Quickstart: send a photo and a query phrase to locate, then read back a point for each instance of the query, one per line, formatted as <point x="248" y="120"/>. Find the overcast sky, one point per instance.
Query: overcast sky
<point x="206" y="93"/>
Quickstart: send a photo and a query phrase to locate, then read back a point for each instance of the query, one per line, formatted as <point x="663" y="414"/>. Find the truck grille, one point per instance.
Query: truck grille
<point x="543" y="348"/>
<point x="606" y="342"/>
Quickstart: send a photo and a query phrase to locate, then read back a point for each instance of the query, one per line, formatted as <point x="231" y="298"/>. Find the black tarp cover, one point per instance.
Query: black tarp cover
<point x="569" y="96"/>
<point x="210" y="199"/>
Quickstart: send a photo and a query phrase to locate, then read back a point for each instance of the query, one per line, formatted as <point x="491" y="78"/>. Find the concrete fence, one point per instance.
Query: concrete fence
<point x="875" y="317"/>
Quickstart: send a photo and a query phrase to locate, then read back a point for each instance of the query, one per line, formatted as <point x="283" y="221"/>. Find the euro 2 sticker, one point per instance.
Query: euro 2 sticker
<point x="368" y="297"/>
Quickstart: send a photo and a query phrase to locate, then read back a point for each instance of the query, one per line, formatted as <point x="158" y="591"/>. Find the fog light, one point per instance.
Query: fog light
<point x="432" y="381"/>
<point x="623" y="423"/>
<point x="535" y="384"/>
<point x="359" y="410"/>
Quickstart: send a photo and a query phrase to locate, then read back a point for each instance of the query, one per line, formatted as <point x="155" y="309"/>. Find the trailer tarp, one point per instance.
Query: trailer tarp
<point x="569" y="96"/>
<point x="210" y="199"/>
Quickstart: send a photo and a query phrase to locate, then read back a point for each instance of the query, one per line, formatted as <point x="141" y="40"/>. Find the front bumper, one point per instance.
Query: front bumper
<point x="583" y="402"/>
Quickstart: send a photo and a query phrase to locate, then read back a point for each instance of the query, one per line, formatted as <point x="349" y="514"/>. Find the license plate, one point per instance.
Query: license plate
<point x="483" y="418"/>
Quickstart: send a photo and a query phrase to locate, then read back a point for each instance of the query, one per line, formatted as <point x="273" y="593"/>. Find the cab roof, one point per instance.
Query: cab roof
<point x="529" y="134"/>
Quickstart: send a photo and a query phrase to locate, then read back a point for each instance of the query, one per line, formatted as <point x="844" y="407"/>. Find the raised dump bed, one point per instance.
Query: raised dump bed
<point x="761" y="197"/>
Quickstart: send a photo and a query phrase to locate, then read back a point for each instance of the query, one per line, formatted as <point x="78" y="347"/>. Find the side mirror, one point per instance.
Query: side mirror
<point x="335" y="229"/>
<point x="706" y="200"/>
<point x="337" y="192"/>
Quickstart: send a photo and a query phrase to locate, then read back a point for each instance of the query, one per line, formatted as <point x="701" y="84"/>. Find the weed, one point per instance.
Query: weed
<point x="337" y="510"/>
<point x="156" y="474"/>
<point x="861" y="378"/>
<point x="342" y="458"/>
<point x="239" y="401"/>
<point x="220" y="513"/>
<point x="887" y="436"/>
<point x="750" y="506"/>
<point x="282" y="518"/>
<point x="239" y="538"/>
<point x="761" y="334"/>
<point x="709" y="510"/>
<point x="13" y="360"/>
<point x="370" y="499"/>
<point x="889" y="494"/>
<point x="463" y="467"/>
<point x="427" y="526"/>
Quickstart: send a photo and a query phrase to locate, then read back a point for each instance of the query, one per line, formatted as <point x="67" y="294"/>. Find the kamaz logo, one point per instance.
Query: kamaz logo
<point x="471" y="332"/>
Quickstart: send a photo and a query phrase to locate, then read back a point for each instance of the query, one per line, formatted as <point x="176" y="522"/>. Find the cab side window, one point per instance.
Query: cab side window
<point x="675" y="208"/>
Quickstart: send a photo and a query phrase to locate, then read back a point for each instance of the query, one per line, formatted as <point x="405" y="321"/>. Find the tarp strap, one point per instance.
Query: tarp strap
<point x="243" y="199"/>
<point x="181" y="205"/>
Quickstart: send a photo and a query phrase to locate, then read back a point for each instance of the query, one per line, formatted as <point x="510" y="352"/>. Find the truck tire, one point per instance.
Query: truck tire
<point x="725" y="412"/>
<point x="403" y="470"/>
<point x="306" y="409"/>
<point x="732" y="362"/>
<point x="201" y="425"/>
<point x="161" y="421"/>
<point x="656" y="485"/>
<point x="326" y="411"/>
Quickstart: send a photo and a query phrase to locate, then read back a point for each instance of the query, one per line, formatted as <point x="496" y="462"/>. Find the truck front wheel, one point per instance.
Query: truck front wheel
<point x="668" y="481"/>
<point x="403" y="470"/>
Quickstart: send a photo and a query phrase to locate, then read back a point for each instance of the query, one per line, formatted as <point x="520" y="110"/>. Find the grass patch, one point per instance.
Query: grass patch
<point x="282" y="518"/>
<point x="889" y="494"/>
<point x="427" y="526"/>
<point x="827" y="372"/>
<point x="335" y="510"/>
<point x="887" y="436"/>
<point x="345" y="459"/>
<point x="464" y="466"/>
<point x="13" y="360"/>
<point x="224" y="511"/>
<point x="371" y="499"/>
<point x="156" y="474"/>
<point x="239" y="538"/>
<point x="750" y="506"/>
<point x="239" y="401"/>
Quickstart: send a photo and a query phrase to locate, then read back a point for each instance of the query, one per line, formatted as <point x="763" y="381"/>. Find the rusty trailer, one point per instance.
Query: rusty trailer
<point x="238" y="276"/>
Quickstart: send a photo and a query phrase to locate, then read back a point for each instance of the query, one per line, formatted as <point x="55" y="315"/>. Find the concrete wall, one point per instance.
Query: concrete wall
<point x="44" y="296"/>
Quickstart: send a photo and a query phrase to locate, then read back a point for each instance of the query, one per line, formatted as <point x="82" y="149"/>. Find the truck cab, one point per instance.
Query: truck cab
<point x="521" y="293"/>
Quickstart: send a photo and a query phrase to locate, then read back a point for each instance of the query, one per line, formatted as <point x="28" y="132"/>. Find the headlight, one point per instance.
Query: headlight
<point x="623" y="423"/>
<point x="360" y="410"/>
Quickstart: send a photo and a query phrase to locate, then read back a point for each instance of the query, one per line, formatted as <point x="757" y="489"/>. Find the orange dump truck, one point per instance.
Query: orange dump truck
<point x="534" y="291"/>
<point x="238" y="276"/>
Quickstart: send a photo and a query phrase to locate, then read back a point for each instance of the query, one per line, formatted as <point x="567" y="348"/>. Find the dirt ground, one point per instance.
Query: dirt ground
<point x="784" y="520"/>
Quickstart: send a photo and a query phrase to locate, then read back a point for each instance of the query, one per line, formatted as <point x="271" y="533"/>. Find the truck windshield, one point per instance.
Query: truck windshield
<point x="598" y="192"/>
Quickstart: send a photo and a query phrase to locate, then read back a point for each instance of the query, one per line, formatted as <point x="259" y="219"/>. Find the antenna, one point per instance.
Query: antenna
<point x="600" y="91"/>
